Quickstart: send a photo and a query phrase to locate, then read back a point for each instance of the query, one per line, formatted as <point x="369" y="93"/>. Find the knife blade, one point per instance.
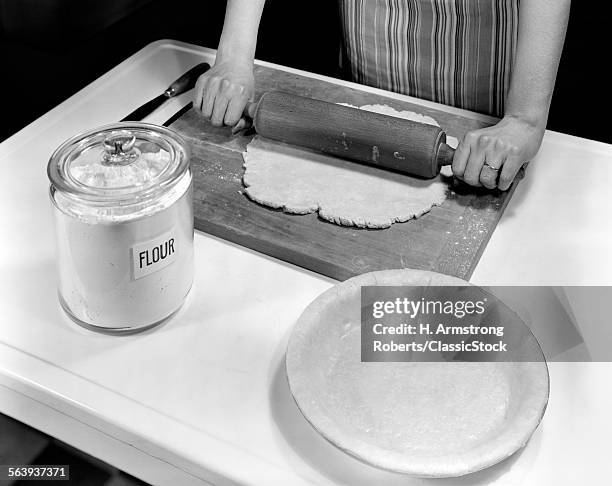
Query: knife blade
<point x="178" y="114"/>
<point x="186" y="82"/>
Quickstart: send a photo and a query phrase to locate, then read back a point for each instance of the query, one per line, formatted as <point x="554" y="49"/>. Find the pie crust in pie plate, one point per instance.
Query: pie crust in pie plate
<point x="426" y="419"/>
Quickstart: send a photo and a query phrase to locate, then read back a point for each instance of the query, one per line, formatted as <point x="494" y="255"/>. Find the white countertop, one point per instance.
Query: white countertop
<point x="204" y="398"/>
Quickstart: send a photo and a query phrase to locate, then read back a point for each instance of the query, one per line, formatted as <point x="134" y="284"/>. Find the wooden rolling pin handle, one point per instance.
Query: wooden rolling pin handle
<point x="445" y="155"/>
<point x="250" y="109"/>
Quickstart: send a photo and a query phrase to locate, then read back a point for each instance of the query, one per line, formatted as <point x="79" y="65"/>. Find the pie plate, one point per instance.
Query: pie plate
<point x="425" y="419"/>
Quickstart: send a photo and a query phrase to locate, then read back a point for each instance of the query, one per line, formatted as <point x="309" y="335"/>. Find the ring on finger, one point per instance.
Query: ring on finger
<point x="486" y="164"/>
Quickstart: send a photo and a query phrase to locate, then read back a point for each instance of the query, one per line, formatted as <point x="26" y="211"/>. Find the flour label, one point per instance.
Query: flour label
<point x="153" y="255"/>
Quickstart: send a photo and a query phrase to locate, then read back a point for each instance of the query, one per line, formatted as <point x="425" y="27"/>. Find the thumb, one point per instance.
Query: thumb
<point x="243" y="124"/>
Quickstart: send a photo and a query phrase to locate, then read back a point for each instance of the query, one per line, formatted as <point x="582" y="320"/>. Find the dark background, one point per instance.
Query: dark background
<point x="50" y="49"/>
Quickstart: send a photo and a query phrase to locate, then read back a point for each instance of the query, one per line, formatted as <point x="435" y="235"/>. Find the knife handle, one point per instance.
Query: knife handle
<point x="187" y="81"/>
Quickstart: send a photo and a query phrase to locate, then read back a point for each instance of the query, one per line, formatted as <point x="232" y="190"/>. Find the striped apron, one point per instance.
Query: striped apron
<point x="455" y="52"/>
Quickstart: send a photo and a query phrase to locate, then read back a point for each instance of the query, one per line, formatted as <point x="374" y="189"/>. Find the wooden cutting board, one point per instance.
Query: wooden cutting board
<point x="449" y="239"/>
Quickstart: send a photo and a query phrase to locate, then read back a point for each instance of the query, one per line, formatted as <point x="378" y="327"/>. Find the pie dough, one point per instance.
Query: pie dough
<point x="428" y="419"/>
<point x="301" y="181"/>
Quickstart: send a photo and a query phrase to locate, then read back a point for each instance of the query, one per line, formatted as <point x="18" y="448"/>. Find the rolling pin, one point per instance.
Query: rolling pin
<point x="371" y="138"/>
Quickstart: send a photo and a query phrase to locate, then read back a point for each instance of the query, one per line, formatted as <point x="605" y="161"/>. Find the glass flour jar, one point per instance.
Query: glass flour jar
<point x="123" y="212"/>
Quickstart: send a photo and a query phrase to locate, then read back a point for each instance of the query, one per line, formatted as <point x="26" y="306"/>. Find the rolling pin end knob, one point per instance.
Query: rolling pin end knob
<point x="445" y="155"/>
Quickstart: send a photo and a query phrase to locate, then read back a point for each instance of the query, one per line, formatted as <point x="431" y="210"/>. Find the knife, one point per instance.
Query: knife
<point x="186" y="82"/>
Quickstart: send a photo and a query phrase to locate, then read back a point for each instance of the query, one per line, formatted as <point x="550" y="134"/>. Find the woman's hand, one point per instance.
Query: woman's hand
<point x="491" y="157"/>
<point x="222" y="93"/>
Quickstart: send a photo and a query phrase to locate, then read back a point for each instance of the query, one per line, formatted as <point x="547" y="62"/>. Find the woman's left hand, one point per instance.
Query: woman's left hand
<point x="491" y="157"/>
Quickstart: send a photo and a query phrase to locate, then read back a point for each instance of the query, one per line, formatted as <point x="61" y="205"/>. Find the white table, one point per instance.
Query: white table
<point x="203" y="399"/>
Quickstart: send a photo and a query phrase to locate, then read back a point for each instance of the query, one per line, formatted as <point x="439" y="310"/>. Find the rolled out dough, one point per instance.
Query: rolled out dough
<point x="300" y="181"/>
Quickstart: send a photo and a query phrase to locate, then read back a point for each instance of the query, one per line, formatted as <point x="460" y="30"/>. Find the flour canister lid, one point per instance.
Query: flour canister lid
<point x="119" y="163"/>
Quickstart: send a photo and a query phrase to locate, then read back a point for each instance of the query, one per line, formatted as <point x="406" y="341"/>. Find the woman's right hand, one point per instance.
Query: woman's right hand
<point x="222" y="93"/>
